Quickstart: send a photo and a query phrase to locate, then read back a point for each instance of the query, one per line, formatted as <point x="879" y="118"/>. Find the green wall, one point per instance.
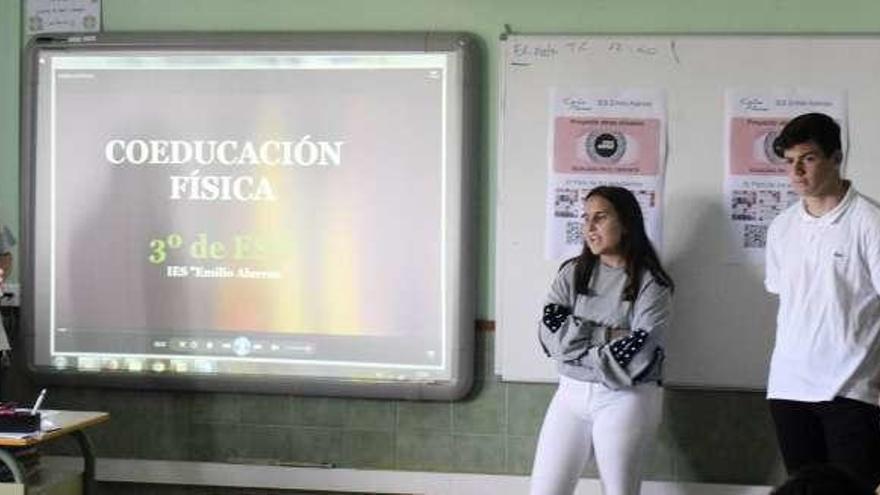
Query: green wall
<point x="9" y="49"/>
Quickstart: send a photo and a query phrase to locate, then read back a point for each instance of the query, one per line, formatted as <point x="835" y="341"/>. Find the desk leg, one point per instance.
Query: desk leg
<point x="88" y="454"/>
<point x="12" y="463"/>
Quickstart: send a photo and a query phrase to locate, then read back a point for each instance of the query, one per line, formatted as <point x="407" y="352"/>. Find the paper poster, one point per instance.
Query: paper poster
<point x="756" y="187"/>
<point x="67" y="16"/>
<point x="602" y="137"/>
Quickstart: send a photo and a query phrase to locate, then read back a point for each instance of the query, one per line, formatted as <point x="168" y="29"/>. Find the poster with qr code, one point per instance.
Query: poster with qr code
<point x="756" y="187"/>
<point x="602" y="137"/>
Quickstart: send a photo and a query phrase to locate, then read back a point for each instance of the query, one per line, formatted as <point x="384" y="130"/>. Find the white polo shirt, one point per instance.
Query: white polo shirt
<point x="826" y="271"/>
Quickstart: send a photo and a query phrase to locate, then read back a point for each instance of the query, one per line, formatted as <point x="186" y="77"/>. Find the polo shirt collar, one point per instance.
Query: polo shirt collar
<point x="833" y="215"/>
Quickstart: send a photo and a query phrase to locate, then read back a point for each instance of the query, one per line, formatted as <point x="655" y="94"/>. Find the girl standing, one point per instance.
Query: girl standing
<point x="603" y="323"/>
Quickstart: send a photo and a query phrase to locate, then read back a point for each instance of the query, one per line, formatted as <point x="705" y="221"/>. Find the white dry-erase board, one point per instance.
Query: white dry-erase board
<point x="724" y="321"/>
<point x="263" y="212"/>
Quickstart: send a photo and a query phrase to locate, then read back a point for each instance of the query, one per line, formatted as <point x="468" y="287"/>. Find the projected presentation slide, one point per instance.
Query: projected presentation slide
<point x="245" y="213"/>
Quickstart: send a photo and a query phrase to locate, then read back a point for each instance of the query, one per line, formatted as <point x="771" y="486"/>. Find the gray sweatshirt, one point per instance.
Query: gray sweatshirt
<point x="575" y="328"/>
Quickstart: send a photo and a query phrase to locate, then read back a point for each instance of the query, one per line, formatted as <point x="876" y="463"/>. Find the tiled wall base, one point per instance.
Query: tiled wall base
<point x="371" y="481"/>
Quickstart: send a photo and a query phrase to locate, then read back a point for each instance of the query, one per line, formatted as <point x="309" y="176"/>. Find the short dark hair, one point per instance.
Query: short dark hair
<point x="817" y="128"/>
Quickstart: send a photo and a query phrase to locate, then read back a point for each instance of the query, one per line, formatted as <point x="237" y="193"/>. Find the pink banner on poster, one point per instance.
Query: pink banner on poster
<point x="751" y="146"/>
<point x="624" y="146"/>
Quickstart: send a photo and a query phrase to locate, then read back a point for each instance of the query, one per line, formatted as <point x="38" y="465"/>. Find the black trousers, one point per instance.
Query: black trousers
<point x="843" y="432"/>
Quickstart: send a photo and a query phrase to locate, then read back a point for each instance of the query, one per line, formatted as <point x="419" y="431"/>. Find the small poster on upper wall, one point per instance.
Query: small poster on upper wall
<point x="63" y="16"/>
<point x="602" y="137"/>
<point x="756" y="187"/>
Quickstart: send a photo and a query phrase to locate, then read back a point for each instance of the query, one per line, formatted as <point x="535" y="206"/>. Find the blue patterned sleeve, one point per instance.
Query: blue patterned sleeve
<point x="623" y="350"/>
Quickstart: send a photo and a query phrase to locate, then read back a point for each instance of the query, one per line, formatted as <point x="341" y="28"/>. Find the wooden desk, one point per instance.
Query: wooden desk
<point x="68" y="423"/>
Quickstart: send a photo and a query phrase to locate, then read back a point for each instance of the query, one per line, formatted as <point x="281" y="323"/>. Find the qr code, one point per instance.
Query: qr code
<point x="754" y="236"/>
<point x="761" y="205"/>
<point x="647" y="198"/>
<point x="574" y="233"/>
<point x="566" y="204"/>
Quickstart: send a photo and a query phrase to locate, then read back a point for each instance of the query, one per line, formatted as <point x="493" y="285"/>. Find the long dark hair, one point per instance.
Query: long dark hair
<point x="638" y="252"/>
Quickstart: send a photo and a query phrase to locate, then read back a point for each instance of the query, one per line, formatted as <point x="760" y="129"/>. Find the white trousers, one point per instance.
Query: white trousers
<point x="588" y="419"/>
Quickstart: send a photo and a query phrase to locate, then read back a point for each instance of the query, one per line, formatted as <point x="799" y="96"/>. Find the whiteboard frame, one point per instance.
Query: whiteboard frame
<point x="722" y="332"/>
<point x="458" y="269"/>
